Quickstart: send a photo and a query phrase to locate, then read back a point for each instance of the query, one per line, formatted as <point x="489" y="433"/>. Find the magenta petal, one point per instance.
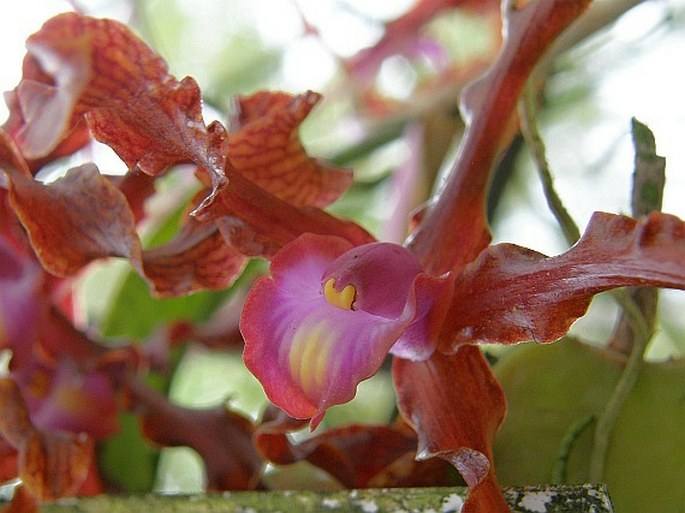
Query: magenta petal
<point x="20" y="302"/>
<point x="309" y="354"/>
<point x="65" y="399"/>
<point x="270" y="315"/>
<point x="431" y="298"/>
<point x="382" y="273"/>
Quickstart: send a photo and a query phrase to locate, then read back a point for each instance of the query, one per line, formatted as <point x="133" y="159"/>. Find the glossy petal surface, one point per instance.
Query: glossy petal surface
<point x="100" y="69"/>
<point x="455" y="406"/>
<point x="512" y="294"/>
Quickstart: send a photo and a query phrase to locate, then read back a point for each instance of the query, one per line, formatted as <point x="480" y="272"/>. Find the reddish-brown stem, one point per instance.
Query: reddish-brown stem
<point x="455" y="220"/>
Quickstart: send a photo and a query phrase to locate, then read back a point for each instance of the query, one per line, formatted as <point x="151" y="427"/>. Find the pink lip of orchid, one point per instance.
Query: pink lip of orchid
<point x="328" y="315"/>
<point x="64" y="399"/>
<point x="20" y="281"/>
<point x="57" y="398"/>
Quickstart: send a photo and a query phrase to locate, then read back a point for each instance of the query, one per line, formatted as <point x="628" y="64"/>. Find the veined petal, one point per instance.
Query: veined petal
<point x="312" y="329"/>
<point x="266" y="148"/>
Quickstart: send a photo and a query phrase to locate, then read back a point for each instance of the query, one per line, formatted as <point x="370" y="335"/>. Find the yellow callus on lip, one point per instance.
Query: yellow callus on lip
<point x="309" y="355"/>
<point x="311" y="349"/>
<point x="339" y="298"/>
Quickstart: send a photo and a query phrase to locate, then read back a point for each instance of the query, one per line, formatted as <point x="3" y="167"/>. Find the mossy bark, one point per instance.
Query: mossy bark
<point x="536" y="499"/>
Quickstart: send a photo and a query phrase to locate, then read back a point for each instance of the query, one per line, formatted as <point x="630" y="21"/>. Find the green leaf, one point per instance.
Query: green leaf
<point x="135" y="313"/>
<point x="126" y="461"/>
<point x="549" y="389"/>
<point x="650" y="171"/>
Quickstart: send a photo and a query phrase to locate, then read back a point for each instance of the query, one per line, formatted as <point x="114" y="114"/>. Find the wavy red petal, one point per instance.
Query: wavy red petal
<point x="512" y="294"/>
<point x="455" y="405"/>
<point x="99" y="69"/>
<point x="358" y="456"/>
<point x="75" y="219"/>
<point x="83" y="216"/>
<point x="50" y="464"/>
<point x="221" y="437"/>
<point x="197" y="258"/>
<point x="266" y="149"/>
<point x="257" y="223"/>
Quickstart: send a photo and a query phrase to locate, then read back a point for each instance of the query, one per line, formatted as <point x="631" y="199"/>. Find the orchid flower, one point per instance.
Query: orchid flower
<point x="58" y="395"/>
<point x="64" y="399"/>
<point x="20" y="306"/>
<point x="328" y="315"/>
